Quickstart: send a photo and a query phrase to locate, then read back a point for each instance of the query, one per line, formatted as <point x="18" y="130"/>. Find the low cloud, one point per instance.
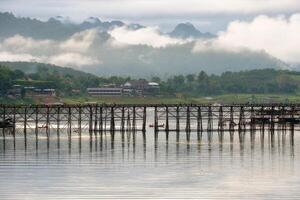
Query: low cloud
<point x="74" y="52"/>
<point x="277" y="36"/>
<point x="149" y="36"/>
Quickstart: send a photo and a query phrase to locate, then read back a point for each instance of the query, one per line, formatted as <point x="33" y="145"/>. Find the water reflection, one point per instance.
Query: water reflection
<point x="230" y="165"/>
<point x="273" y="141"/>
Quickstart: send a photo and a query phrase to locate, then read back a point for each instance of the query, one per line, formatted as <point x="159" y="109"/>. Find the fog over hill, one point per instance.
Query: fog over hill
<point x="117" y="48"/>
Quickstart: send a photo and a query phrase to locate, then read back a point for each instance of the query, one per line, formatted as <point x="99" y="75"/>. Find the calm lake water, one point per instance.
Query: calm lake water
<point x="96" y="169"/>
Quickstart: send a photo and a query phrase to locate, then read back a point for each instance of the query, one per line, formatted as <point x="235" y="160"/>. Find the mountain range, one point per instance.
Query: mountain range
<point x="61" y="28"/>
<point x="116" y="48"/>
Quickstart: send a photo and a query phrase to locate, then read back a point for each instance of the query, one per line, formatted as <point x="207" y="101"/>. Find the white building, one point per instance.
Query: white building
<point x="105" y="91"/>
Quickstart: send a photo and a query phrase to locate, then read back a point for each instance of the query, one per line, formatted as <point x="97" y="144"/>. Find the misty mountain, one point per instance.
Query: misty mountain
<point x="188" y="30"/>
<point x="142" y="61"/>
<point x="57" y="28"/>
<point x="114" y="48"/>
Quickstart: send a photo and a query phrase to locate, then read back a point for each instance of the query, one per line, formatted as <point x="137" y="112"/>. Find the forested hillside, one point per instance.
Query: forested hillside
<point x="64" y="80"/>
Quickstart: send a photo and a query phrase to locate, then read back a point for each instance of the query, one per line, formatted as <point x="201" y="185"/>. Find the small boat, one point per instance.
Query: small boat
<point x="158" y="126"/>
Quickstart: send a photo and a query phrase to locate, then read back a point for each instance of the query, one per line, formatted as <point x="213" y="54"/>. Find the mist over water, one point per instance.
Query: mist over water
<point x="136" y="167"/>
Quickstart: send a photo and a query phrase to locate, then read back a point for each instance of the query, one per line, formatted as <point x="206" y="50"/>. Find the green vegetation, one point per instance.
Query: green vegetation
<point x="265" y="81"/>
<point x="267" y="85"/>
<point x="226" y="99"/>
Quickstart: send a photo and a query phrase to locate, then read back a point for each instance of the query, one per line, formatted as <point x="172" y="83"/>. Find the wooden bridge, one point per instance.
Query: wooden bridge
<point x="99" y="118"/>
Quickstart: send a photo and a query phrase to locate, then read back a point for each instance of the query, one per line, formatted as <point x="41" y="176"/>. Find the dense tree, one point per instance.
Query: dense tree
<point x="251" y="82"/>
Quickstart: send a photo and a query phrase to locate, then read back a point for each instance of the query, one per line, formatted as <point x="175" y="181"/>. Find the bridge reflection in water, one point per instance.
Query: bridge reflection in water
<point x="137" y="141"/>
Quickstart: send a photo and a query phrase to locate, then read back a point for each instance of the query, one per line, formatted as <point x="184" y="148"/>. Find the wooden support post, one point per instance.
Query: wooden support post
<point x="220" y="122"/>
<point x="292" y="125"/>
<point x="112" y="121"/>
<point x="272" y="127"/>
<point x="123" y="120"/>
<point x="96" y="120"/>
<point x="263" y="117"/>
<point x="25" y="125"/>
<point x="167" y="123"/>
<point x="70" y="122"/>
<point x="199" y="124"/>
<point x="177" y="119"/>
<point x="134" y="120"/>
<point x="14" y="126"/>
<point x="177" y="124"/>
<point x="281" y="118"/>
<point x="167" y="118"/>
<point x="155" y="124"/>
<point x="231" y="122"/>
<point x="91" y="120"/>
<point x="48" y="123"/>
<point x="79" y="120"/>
<point x="188" y="119"/>
<point x="241" y="118"/>
<point x="252" y="120"/>
<point x="199" y="120"/>
<point x="209" y="120"/>
<point x="188" y="123"/>
<point x="3" y="118"/>
<point x="58" y="123"/>
<point x="220" y="125"/>
<point x="101" y="120"/>
<point x="36" y="124"/>
<point x="128" y="124"/>
<point x="144" y="119"/>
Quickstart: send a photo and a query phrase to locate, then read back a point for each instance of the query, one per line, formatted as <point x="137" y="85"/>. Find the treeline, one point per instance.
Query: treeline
<point x="45" y="77"/>
<point x="247" y="82"/>
<point x="250" y="82"/>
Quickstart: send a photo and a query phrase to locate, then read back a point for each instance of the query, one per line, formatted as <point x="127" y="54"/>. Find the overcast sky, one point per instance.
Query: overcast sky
<point x="208" y="15"/>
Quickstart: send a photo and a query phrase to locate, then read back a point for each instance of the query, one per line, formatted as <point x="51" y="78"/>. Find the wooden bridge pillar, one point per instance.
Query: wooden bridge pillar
<point x="199" y="123"/>
<point x="134" y="119"/>
<point x="36" y="124"/>
<point x="79" y="120"/>
<point x="101" y="120"/>
<point x="128" y="124"/>
<point x="58" y="122"/>
<point x="144" y="119"/>
<point x="48" y="122"/>
<point x="242" y="119"/>
<point x="96" y="120"/>
<point x="3" y="118"/>
<point x="155" y="123"/>
<point x="25" y="125"/>
<point x="188" y="119"/>
<point x="112" y="121"/>
<point x="69" y="123"/>
<point x="231" y="121"/>
<point x="14" y="126"/>
<point x="272" y="123"/>
<point x="167" y="123"/>
<point x="292" y="126"/>
<point x="177" y="123"/>
<point x="91" y="120"/>
<point x="122" y="128"/>
<point x="167" y="118"/>
<point x="220" y="122"/>
<point x="209" y="119"/>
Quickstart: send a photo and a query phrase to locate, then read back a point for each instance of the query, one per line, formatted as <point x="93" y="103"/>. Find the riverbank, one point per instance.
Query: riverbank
<point x="222" y="99"/>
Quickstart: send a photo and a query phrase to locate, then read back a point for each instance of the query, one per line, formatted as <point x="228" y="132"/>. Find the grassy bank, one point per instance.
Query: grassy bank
<point x="228" y="98"/>
<point x="223" y="99"/>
